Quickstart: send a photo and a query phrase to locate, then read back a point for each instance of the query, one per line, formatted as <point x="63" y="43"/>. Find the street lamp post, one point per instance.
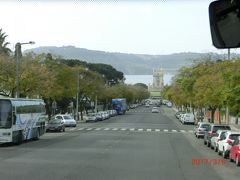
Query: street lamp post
<point x="18" y="56"/>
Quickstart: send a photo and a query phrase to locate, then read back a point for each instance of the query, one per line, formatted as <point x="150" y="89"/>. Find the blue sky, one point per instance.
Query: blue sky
<point x="144" y="27"/>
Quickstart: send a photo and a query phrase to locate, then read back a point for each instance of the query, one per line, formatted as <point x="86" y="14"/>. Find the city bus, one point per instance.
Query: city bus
<point x="21" y="119"/>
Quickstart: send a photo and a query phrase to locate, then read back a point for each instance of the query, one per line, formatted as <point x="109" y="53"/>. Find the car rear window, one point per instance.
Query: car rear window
<point x="204" y="125"/>
<point x="67" y="117"/>
<point x="234" y="136"/>
<point x="215" y="128"/>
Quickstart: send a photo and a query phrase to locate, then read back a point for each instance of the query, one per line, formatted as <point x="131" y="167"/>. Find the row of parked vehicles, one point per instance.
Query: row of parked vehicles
<point x="221" y="139"/>
<point x="100" y="116"/>
<point x="185" y="118"/>
<point x="60" y="121"/>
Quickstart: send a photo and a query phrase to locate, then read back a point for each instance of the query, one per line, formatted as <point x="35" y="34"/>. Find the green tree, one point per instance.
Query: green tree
<point x="3" y="44"/>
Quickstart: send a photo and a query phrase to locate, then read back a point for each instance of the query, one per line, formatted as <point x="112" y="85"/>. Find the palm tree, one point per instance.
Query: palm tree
<point x="3" y="45"/>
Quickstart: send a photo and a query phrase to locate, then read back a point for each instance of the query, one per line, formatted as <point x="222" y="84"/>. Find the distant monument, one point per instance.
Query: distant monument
<point x="157" y="86"/>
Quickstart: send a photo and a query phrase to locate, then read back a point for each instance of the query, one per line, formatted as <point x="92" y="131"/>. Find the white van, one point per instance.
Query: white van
<point x="188" y="118"/>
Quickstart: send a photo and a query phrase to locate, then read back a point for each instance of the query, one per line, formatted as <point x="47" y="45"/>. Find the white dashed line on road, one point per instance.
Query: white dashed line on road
<point x="183" y="131"/>
<point x="123" y="129"/>
<point x="72" y="129"/>
<point x="173" y="130"/>
<point x="132" y="129"/>
<point x="89" y="129"/>
<point x="106" y="129"/>
<point x="140" y="129"/>
<point x="157" y="130"/>
<point x="80" y="129"/>
<point x="149" y="130"/>
<point x="115" y="129"/>
<point x="165" y="130"/>
<point x="97" y="129"/>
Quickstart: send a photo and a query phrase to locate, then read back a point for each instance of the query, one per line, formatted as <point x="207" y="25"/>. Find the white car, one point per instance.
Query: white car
<point x="215" y="139"/>
<point x="188" y="118"/>
<point x="225" y="143"/>
<point x="155" y="110"/>
<point x="200" y="129"/>
<point x="66" y="119"/>
<point x="91" y="117"/>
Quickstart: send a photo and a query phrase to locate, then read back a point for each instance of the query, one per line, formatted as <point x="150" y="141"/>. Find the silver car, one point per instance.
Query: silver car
<point x="67" y="120"/>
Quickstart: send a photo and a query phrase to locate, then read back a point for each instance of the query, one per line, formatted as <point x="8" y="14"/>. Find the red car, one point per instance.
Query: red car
<point x="235" y="152"/>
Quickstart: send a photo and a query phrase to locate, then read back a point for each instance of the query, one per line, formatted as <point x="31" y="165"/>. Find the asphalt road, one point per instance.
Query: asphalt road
<point x="137" y="146"/>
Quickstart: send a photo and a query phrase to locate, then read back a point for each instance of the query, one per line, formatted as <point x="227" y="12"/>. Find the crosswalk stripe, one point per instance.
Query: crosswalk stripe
<point x="149" y="130"/>
<point x="97" y="129"/>
<point x="89" y="129"/>
<point x="157" y="130"/>
<point x="115" y="129"/>
<point x="165" y="130"/>
<point x="183" y="131"/>
<point x="140" y="129"/>
<point x="106" y="129"/>
<point x="123" y="129"/>
<point x="80" y="129"/>
<point x="173" y="130"/>
<point x="132" y="129"/>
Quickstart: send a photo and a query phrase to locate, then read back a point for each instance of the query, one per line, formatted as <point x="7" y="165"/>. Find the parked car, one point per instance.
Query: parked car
<point x="178" y="114"/>
<point x="226" y="141"/>
<point x="216" y="138"/>
<point x="200" y="129"/>
<point x="99" y="116"/>
<point x="147" y="105"/>
<point x="92" y="117"/>
<point x="211" y="131"/>
<point x="55" y="125"/>
<point x="181" y="117"/>
<point x="169" y="104"/>
<point x="188" y="118"/>
<point x="234" y="153"/>
<point x="67" y="120"/>
<point x="155" y="110"/>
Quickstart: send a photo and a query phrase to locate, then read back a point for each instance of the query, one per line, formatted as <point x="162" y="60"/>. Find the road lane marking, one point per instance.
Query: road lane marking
<point x="132" y="129"/>
<point x="157" y="130"/>
<point x="80" y="129"/>
<point x="72" y="129"/>
<point x="123" y="129"/>
<point x="173" y="130"/>
<point x="191" y="131"/>
<point x="183" y="131"/>
<point x="140" y="129"/>
<point x="97" y="129"/>
<point x="89" y="129"/>
<point x="149" y="130"/>
<point x="106" y="129"/>
<point x="165" y="130"/>
<point x="115" y="129"/>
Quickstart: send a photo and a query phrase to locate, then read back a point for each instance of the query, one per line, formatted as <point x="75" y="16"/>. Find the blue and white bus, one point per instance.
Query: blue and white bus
<point x="21" y="119"/>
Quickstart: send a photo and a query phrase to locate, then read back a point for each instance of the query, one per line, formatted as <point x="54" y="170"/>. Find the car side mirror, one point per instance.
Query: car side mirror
<point x="224" y="17"/>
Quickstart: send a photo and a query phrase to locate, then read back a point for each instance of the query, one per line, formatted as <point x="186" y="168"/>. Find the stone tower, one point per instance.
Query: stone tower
<point x="157" y="85"/>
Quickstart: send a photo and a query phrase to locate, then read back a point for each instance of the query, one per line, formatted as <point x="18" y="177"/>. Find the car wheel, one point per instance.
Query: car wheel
<point x="205" y="142"/>
<point x="211" y="146"/>
<point x="208" y="144"/>
<point x="230" y="158"/>
<point x="63" y="130"/>
<point x="224" y="154"/>
<point x="237" y="161"/>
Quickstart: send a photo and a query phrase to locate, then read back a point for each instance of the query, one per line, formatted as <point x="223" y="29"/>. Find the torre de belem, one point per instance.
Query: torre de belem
<point x="157" y="86"/>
